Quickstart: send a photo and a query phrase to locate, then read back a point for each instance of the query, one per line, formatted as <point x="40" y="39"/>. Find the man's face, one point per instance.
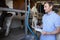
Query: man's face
<point x="47" y="8"/>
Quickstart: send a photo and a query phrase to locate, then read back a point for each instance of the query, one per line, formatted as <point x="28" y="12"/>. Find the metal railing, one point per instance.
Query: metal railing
<point x="12" y="10"/>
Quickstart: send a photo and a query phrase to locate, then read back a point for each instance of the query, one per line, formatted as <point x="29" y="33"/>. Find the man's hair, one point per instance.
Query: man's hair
<point x="50" y="3"/>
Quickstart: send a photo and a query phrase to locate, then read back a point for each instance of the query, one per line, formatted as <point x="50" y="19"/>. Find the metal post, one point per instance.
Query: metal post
<point x="25" y="17"/>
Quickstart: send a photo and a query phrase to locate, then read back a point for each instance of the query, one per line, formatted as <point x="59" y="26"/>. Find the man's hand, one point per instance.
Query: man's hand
<point x="44" y="33"/>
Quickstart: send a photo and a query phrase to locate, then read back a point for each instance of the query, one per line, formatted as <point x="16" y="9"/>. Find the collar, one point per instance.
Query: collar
<point x="51" y="12"/>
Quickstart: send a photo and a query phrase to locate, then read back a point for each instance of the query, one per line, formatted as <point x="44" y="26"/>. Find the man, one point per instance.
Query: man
<point x="50" y="22"/>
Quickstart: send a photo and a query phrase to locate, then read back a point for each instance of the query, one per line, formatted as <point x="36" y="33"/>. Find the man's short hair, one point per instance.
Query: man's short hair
<point x="50" y="3"/>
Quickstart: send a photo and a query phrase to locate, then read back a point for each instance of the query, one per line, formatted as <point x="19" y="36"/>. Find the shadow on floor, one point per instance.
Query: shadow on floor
<point x="14" y="34"/>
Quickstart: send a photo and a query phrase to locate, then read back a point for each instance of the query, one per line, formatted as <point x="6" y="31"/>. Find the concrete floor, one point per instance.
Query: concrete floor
<point x="15" y="34"/>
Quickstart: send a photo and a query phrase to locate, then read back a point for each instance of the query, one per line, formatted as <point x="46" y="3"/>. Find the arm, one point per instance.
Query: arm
<point x="55" y="32"/>
<point x="51" y="33"/>
<point x="57" y="24"/>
